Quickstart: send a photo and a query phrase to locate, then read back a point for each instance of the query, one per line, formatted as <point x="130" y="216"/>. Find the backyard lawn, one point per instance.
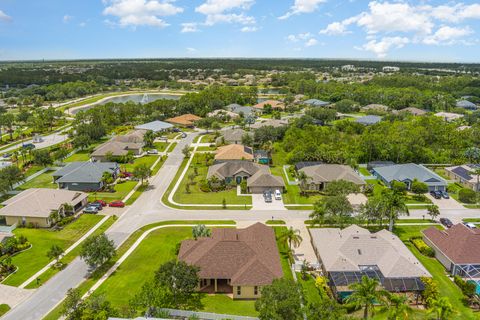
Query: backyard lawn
<point x="83" y="155"/>
<point x="196" y="196"/>
<point x="121" y="191"/>
<point x="364" y="171"/>
<point x="284" y="252"/>
<point x="446" y="286"/>
<point x="45" y="180"/>
<point x="134" y="272"/>
<point x="35" y="258"/>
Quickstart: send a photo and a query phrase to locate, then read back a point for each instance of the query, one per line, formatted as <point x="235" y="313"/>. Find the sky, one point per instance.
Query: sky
<point x="447" y="31"/>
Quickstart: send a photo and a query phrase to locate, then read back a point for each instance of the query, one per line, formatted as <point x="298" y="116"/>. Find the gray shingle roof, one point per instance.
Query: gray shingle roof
<point x="331" y="172"/>
<point x="368" y="120"/>
<point x="230" y="168"/>
<point x="410" y="171"/>
<point x="154" y="126"/>
<point x="465" y="104"/>
<point x="316" y="103"/>
<point x="264" y="179"/>
<point x="84" y="172"/>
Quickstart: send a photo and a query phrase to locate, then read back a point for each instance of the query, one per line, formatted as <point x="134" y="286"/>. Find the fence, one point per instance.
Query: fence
<point x="205" y="315"/>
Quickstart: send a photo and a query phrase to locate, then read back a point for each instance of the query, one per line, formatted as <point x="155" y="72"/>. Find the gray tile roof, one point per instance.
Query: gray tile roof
<point x="155" y="126"/>
<point x="236" y="108"/>
<point x="353" y="247"/>
<point x="316" y="103"/>
<point x="368" y="120"/>
<point x="84" y="172"/>
<point x="465" y="104"/>
<point x="409" y="172"/>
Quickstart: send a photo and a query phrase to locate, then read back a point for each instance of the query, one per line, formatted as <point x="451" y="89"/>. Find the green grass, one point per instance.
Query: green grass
<point x="121" y="191"/>
<point x="364" y="171"/>
<point x="207" y="138"/>
<point x="414" y="221"/>
<point x="471" y="220"/>
<point x="32" y="169"/>
<point x="68" y="258"/>
<point x="172" y="146"/>
<point x="45" y="180"/>
<point x="128" y="279"/>
<point x="310" y="292"/>
<point x="196" y="196"/>
<point x="83" y="155"/>
<point x="148" y="160"/>
<point x="161" y="146"/>
<point x="275" y="222"/>
<point x="4" y="308"/>
<point x="206" y="148"/>
<point x="284" y="253"/>
<point x="32" y="260"/>
<point x="136" y="194"/>
<point x="446" y="287"/>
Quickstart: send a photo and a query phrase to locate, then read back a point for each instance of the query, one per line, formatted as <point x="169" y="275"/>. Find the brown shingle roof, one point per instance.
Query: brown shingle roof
<point x="331" y="172"/>
<point x="234" y="152"/>
<point x="184" y="120"/>
<point x="459" y="243"/>
<point x="274" y="103"/>
<point x="231" y="168"/>
<point x="265" y="179"/>
<point x="246" y="256"/>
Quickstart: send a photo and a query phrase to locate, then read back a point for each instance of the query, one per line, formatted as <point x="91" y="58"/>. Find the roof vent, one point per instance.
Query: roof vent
<point x="359" y="252"/>
<point x="355" y="237"/>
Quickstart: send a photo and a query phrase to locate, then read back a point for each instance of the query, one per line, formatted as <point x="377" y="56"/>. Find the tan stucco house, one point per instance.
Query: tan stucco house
<point x="320" y="175"/>
<point x="238" y="262"/>
<point x="35" y="205"/>
<point x="120" y="146"/>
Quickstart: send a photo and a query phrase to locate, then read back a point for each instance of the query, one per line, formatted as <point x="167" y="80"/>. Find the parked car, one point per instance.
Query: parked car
<point x="103" y="203"/>
<point x="267" y="195"/>
<point x="126" y="174"/>
<point x="176" y="130"/>
<point x="470" y="225"/>
<point x="153" y="151"/>
<point x="28" y="146"/>
<point x="96" y="205"/>
<point x="90" y="209"/>
<point x="6" y="155"/>
<point x="117" y="204"/>
<point x="446" y="222"/>
<point x="436" y="194"/>
<point x="445" y="195"/>
<point x="278" y="195"/>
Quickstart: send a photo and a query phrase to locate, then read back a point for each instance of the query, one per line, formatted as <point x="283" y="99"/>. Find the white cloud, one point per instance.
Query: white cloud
<point x="302" y="6"/>
<point x="141" y="12"/>
<point x="311" y="42"/>
<point x="67" y="18"/>
<point x="249" y="29"/>
<point x="226" y="11"/>
<point x="380" y="48"/>
<point x="82" y="24"/>
<point x="189" y="27"/>
<point x="191" y="50"/>
<point x="447" y="35"/>
<point x="455" y="13"/>
<point x="4" y="17"/>
<point x="336" y="28"/>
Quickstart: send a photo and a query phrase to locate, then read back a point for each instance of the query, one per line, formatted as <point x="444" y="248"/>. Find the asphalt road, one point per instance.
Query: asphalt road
<point x="48" y="141"/>
<point x="149" y="209"/>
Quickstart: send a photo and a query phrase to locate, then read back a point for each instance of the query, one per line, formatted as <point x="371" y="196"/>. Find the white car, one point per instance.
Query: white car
<point x="278" y="195"/>
<point x="153" y="151"/>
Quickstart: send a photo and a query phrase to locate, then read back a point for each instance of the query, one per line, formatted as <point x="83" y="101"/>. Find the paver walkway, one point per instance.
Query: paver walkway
<point x="13" y="295"/>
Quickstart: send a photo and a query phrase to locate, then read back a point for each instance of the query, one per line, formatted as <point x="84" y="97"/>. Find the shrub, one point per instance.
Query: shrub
<point x="243" y="186"/>
<point x="430" y="293"/>
<point x="419" y="187"/>
<point x="422" y="247"/>
<point x="467" y="195"/>
<point x="420" y="198"/>
<point x="65" y="221"/>
<point x="468" y="287"/>
<point x="398" y="186"/>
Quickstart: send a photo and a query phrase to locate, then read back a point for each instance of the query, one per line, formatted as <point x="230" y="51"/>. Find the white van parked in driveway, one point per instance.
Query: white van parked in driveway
<point x="278" y="195"/>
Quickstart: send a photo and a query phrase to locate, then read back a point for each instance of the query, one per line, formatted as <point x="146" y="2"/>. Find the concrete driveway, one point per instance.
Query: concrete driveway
<point x="445" y="203"/>
<point x="258" y="203"/>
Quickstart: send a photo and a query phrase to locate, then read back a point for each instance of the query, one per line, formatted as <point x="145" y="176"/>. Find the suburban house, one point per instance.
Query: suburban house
<point x="465" y="175"/>
<point x="35" y="205"/>
<point x="241" y="110"/>
<point x="320" y="175"/>
<point x="223" y="113"/>
<point x="120" y="146"/>
<point x="412" y="110"/>
<point x="275" y="104"/>
<point x="457" y="249"/>
<point x="233" y="152"/>
<point x="409" y="172"/>
<point x="377" y="164"/>
<point x="465" y="104"/>
<point x="269" y="123"/>
<point x="304" y="164"/>
<point x="368" y="120"/>
<point x="316" y="103"/>
<point x="186" y="120"/>
<point x="238" y="262"/>
<point x="84" y="176"/>
<point x="448" y="116"/>
<point x="375" y="107"/>
<point x="265" y="181"/>
<point x="346" y="255"/>
<point x="155" y="126"/>
<point x="233" y="136"/>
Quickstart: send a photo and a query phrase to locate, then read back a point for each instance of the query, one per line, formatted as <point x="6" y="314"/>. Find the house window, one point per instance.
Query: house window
<point x="239" y="291"/>
<point x="255" y="290"/>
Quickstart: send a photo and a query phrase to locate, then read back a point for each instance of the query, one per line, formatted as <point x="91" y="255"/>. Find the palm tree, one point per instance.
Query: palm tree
<point x="303" y="179"/>
<point x="433" y="211"/>
<point x="148" y="138"/>
<point x="395" y="206"/>
<point x="292" y="236"/>
<point x="442" y="308"/>
<point x="477" y="172"/>
<point x="366" y="293"/>
<point x="397" y="306"/>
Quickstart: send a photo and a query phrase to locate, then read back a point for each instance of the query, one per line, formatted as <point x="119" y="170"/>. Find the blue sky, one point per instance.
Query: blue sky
<point x="390" y="30"/>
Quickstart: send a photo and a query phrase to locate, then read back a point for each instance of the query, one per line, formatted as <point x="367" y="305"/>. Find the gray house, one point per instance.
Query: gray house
<point x="316" y="103"/>
<point x="407" y="173"/>
<point x="368" y="120"/>
<point x="84" y="176"/>
<point x="233" y="136"/>
<point x="155" y="126"/>
<point x="465" y="104"/>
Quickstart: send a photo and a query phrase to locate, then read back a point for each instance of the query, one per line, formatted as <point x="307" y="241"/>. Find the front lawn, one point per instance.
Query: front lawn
<point x="160" y="146"/>
<point x="141" y="265"/>
<point x="148" y="160"/>
<point x="45" y="180"/>
<point x="32" y="260"/>
<point x="197" y="196"/>
<point x="82" y="155"/>
<point x="121" y="191"/>
<point x="4" y="308"/>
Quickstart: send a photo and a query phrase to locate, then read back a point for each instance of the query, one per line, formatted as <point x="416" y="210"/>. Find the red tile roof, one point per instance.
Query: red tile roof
<point x="459" y="243"/>
<point x="246" y="256"/>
